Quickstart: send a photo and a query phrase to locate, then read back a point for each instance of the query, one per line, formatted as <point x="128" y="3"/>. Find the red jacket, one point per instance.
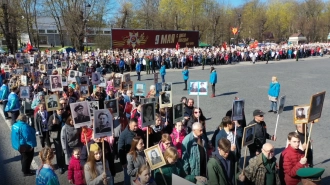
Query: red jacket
<point x="76" y="172"/>
<point x="181" y="136"/>
<point x="290" y="164"/>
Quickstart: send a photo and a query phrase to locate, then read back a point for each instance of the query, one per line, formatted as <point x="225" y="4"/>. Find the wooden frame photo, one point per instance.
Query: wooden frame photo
<point x="281" y="104"/>
<point x="52" y="102"/>
<point x="300" y="114"/>
<point x="113" y="105"/>
<point x="238" y="110"/>
<point x="148" y="114"/>
<point x="154" y="157"/>
<point x="165" y="99"/>
<point x="316" y="106"/>
<point x="178" y="112"/>
<point x="248" y="135"/>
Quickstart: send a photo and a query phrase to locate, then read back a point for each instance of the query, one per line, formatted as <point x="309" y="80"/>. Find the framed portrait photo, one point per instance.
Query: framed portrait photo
<point x="84" y="80"/>
<point x="148" y="114"/>
<point x="117" y="82"/>
<point x="154" y="157"/>
<point x="84" y="90"/>
<point x="178" y="112"/>
<point x="102" y="82"/>
<point x="93" y="105"/>
<point x="52" y="102"/>
<point x="103" y="123"/>
<point x="140" y="89"/>
<point x="248" y="135"/>
<point x="238" y="110"/>
<point x="167" y="87"/>
<point x="113" y="106"/>
<point x="300" y="114"/>
<point x="281" y="104"/>
<point x="316" y="106"/>
<point x="46" y="82"/>
<point x="165" y="99"/>
<point x="24" y="92"/>
<point x="23" y="80"/>
<point x="96" y="78"/>
<point x="72" y="75"/>
<point x="80" y="113"/>
<point x="198" y="88"/>
<point x="64" y="81"/>
<point x="56" y="82"/>
<point x="126" y="77"/>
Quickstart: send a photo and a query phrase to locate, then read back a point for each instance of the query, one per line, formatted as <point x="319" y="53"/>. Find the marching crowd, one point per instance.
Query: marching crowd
<point x="186" y="149"/>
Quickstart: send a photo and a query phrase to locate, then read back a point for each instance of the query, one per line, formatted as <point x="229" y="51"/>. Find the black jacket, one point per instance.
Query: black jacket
<point x="260" y="136"/>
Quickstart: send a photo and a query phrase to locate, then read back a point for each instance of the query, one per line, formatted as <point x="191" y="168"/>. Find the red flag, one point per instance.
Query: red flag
<point x="224" y="45"/>
<point x="177" y="46"/>
<point x="29" y="46"/>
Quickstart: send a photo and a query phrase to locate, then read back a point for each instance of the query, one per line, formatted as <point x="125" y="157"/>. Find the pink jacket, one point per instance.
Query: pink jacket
<point x="76" y="172"/>
<point x="181" y="136"/>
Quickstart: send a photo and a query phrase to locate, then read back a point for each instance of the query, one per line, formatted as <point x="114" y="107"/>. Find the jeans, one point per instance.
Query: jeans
<point x="26" y="160"/>
<point x="213" y="89"/>
<point x="4" y="103"/>
<point x="45" y="139"/>
<point x="14" y="115"/>
<point x="127" y="178"/>
<point x="139" y="75"/>
<point x="163" y="78"/>
<point x="273" y="105"/>
<point x="185" y="84"/>
<point x="59" y="154"/>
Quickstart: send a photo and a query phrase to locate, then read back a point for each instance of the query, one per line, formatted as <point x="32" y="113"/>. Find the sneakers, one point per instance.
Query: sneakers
<point x="270" y="111"/>
<point x="275" y="112"/>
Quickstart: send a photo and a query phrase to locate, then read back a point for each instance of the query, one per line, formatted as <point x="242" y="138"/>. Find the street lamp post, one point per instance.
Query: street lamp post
<point x="87" y="8"/>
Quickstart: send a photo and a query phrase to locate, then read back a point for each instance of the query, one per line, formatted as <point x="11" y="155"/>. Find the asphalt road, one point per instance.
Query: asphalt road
<point x="299" y="80"/>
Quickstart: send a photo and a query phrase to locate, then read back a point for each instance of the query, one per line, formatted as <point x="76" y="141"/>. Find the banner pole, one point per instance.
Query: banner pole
<point x="278" y="116"/>
<point x="309" y="138"/>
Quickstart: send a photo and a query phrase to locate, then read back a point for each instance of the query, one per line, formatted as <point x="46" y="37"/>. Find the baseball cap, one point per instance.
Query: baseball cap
<point x="258" y="112"/>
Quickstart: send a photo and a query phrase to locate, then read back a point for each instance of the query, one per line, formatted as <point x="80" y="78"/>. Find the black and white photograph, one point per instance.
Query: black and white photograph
<point x="300" y="114"/>
<point x="148" y="114"/>
<point x="238" y="110"/>
<point x="46" y="82"/>
<point x="56" y="82"/>
<point x="154" y="157"/>
<point x="80" y="113"/>
<point x="103" y="123"/>
<point x="93" y="105"/>
<point x="84" y="91"/>
<point x="19" y="71"/>
<point x="64" y="81"/>
<point x="202" y="88"/>
<point x="140" y="89"/>
<point x="167" y="87"/>
<point x="316" y="106"/>
<point x="178" y="112"/>
<point x="63" y="64"/>
<point x="117" y="83"/>
<point x="52" y="102"/>
<point x="193" y="88"/>
<point x="281" y="104"/>
<point x="126" y="77"/>
<point x="248" y="135"/>
<point x="84" y="80"/>
<point x="96" y="78"/>
<point x="24" y="92"/>
<point x="148" y="100"/>
<point x="165" y="99"/>
<point x="31" y="60"/>
<point x="113" y="105"/>
<point x="49" y="66"/>
<point x="102" y="82"/>
<point x="72" y="75"/>
<point x="23" y="80"/>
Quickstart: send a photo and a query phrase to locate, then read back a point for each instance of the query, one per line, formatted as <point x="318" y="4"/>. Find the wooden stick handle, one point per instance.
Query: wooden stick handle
<point x="86" y="143"/>
<point x="245" y="158"/>
<point x="103" y="155"/>
<point x="305" y="132"/>
<point x="147" y="136"/>
<point x="309" y="138"/>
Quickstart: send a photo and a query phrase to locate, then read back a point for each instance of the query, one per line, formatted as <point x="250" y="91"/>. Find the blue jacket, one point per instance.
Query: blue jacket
<point x="185" y="74"/>
<point x="190" y="154"/>
<point x="162" y="70"/>
<point x="213" y="77"/>
<point x="13" y="102"/>
<point x="121" y="63"/>
<point x="274" y="89"/>
<point x="22" y="134"/>
<point x="223" y="134"/>
<point x="138" y="67"/>
<point x="46" y="176"/>
<point x="4" y="92"/>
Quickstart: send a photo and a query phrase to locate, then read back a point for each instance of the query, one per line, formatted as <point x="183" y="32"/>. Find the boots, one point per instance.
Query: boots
<point x="212" y="96"/>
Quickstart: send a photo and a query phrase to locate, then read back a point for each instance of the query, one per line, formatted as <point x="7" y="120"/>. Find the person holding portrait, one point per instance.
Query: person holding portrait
<point x="148" y="113"/>
<point x="135" y="157"/>
<point x="104" y="124"/>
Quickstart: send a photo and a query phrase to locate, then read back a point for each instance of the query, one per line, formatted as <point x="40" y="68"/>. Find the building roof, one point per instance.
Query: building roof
<point x="297" y="35"/>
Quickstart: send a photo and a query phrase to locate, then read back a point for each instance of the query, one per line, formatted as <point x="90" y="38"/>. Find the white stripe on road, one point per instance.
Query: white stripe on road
<point x="33" y="164"/>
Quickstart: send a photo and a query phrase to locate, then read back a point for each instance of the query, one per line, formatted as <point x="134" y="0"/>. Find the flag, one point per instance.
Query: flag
<point x="177" y="46"/>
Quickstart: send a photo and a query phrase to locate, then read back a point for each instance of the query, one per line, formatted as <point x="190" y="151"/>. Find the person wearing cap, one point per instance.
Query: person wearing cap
<point x="262" y="169"/>
<point x="94" y="172"/>
<point x="291" y="160"/>
<point x="4" y="93"/>
<point x="80" y="115"/>
<point x="13" y="104"/>
<point x="260" y="133"/>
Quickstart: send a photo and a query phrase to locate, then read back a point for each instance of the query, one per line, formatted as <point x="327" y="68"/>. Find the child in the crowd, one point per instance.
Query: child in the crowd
<point x="144" y="176"/>
<point x="75" y="170"/>
<point x="156" y="130"/>
<point x="178" y="135"/>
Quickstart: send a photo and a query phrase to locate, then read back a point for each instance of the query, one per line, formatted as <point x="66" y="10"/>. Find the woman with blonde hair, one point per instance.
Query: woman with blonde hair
<point x="163" y="175"/>
<point x="165" y="142"/>
<point x="152" y="92"/>
<point x="273" y="93"/>
<point x="95" y="174"/>
<point x="46" y="174"/>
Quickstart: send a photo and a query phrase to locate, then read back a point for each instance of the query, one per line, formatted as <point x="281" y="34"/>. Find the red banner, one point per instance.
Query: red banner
<point x="148" y="39"/>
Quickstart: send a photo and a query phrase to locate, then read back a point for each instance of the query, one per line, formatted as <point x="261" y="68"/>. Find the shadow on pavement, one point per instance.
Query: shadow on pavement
<point x="178" y="83"/>
<point x="226" y="94"/>
<point x="325" y="161"/>
<point x="288" y="108"/>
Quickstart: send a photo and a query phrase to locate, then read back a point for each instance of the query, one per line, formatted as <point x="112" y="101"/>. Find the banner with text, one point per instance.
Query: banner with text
<point x="147" y="39"/>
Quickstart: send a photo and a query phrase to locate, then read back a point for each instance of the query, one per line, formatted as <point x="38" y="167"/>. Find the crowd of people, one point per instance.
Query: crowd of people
<point x="186" y="149"/>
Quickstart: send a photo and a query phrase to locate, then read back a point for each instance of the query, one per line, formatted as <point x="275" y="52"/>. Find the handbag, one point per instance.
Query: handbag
<point x="53" y="134"/>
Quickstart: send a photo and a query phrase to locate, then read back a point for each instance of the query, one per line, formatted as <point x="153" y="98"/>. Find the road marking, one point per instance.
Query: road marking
<point x="33" y="164"/>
